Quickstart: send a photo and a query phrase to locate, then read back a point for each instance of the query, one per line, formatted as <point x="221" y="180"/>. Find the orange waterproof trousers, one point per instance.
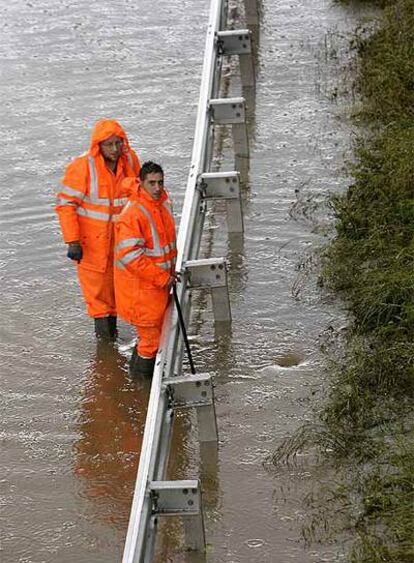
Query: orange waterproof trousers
<point x="148" y="340"/>
<point x="98" y="291"/>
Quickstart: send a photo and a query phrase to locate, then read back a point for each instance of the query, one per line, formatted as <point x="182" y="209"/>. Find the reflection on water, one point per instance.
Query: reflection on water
<point x="110" y="425"/>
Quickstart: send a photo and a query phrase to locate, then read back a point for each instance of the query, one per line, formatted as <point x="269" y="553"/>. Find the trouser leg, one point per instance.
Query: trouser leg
<point x="99" y="295"/>
<point x="143" y="357"/>
<point x="148" y="340"/>
<point x="98" y="291"/>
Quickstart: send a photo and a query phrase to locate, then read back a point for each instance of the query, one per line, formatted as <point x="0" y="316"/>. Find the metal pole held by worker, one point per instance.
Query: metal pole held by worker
<point x="183" y="329"/>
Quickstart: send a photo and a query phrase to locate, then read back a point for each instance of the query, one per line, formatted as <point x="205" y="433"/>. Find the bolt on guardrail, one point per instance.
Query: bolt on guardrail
<point x="154" y="496"/>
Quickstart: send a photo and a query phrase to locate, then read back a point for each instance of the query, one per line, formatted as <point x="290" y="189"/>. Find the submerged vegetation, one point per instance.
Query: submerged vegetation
<point x="367" y="423"/>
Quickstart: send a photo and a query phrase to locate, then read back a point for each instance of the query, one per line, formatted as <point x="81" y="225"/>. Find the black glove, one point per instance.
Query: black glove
<point x="75" y="251"/>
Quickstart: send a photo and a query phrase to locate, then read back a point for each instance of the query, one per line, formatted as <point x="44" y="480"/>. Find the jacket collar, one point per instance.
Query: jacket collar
<point x="145" y="197"/>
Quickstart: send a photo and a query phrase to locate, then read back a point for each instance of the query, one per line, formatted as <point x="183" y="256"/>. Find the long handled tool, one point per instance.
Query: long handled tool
<point x="183" y="329"/>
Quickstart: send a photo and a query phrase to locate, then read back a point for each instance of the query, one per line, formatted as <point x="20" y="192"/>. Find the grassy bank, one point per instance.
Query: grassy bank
<point x="371" y="262"/>
<point x="368" y="417"/>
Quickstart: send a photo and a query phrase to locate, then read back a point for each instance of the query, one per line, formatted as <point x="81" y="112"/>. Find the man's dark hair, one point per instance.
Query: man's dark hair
<point x="150" y="167"/>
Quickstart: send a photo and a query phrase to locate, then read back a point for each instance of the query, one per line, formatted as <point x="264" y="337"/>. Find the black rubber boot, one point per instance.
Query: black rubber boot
<point x="112" y="326"/>
<point x="104" y="328"/>
<point x="145" y="366"/>
<point x="140" y="366"/>
<point x="133" y="361"/>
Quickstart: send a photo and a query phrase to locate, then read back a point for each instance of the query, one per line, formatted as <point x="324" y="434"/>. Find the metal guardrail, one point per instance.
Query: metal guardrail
<point x="153" y="495"/>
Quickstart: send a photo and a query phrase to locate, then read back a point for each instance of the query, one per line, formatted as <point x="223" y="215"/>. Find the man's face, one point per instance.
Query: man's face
<point x="111" y="148"/>
<point x="154" y="184"/>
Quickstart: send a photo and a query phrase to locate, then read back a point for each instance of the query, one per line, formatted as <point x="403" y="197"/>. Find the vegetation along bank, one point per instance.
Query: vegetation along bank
<point x="367" y="423"/>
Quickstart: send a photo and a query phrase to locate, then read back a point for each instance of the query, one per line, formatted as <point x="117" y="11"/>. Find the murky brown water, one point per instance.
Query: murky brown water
<point x="72" y="421"/>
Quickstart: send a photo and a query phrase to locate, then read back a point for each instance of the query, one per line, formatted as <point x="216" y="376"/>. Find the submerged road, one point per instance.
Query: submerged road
<point x="72" y="421"/>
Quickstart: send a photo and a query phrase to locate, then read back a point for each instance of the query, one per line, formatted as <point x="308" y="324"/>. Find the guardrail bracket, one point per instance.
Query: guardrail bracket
<point x="196" y="391"/>
<point x="181" y="498"/>
<point x="232" y="111"/>
<point x="238" y="42"/>
<point x="235" y="42"/>
<point x="211" y="273"/>
<point x="226" y="111"/>
<point x="226" y="186"/>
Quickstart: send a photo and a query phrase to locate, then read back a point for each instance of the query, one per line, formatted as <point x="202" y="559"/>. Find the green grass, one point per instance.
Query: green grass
<point x="372" y="257"/>
<point x="371" y="260"/>
<point x="371" y="263"/>
<point x="385" y="525"/>
<point x="367" y="424"/>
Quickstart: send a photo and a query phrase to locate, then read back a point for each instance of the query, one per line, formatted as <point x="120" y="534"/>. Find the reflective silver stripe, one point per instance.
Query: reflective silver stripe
<point x="153" y="253"/>
<point x="117" y="202"/>
<point x="65" y="202"/>
<point x="93" y="214"/>
<point x="119" y="264"/>
<point x="94" y="189"/>
<point x="156" y="251"/>
<point x="127" y="206"/>
<point x="164" y="265"/>
<point x="70" y="192"/>
<point x="168" y="206"/>
<point x="130" y="160"/>
<point x="129" y="242"/>
<point x="103" y="201"/>
<point x="120" y="201"/>
<point x="169" y="247"/>
<point x="129" y="256"/>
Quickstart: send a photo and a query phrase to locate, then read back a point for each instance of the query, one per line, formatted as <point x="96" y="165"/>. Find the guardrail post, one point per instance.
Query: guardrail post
<point x="196" y="391"/>
<point x="252" y="12"/>
<point x="225" y="185"/>
<point x="212" y="273"/>
<point x="181" y="498"/>
<point x="232" y="111"/>
<point x="241" y="148"/>
<point x="238" y="42"/>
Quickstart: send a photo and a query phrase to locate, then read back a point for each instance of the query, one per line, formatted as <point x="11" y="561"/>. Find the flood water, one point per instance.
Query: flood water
<point x="72" y="421"/>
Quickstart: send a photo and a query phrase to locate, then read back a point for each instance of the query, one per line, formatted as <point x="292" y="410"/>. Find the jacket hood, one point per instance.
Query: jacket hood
<point x="103" y="129"/>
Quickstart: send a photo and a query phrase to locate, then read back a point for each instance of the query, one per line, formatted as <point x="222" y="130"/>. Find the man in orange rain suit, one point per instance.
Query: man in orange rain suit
<point x="145" y="255"/>
<point x="88" y="202"/>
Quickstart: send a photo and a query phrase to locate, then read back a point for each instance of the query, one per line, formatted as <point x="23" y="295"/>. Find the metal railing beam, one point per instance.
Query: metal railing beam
<point x="153" y="495"/>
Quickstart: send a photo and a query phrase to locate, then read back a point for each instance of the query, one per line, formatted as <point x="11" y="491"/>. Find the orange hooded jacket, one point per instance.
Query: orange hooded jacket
<point x="145" y="255"/>
<point x="91" y="197"/>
